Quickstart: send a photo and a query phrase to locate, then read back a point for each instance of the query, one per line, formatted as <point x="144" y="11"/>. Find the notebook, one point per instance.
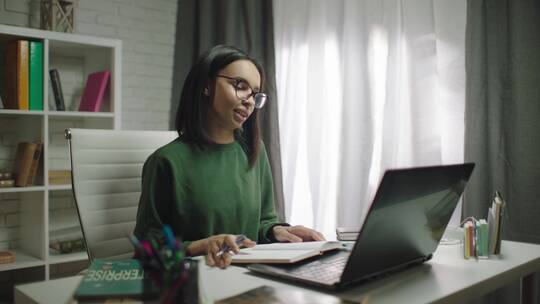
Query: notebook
<point x="403" y="227"/>
<point x="115" y="280"/>
<point x="283" y="252"/>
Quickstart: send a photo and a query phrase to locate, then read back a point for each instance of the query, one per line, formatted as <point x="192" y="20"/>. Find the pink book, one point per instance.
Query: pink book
<point x="94" y="92"/>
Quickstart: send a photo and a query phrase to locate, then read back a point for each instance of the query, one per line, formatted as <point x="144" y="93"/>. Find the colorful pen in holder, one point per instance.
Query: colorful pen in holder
<point x="165" y="262"/>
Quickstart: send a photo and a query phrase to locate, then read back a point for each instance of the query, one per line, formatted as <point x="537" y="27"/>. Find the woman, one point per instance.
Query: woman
<point x="214" y="181"/>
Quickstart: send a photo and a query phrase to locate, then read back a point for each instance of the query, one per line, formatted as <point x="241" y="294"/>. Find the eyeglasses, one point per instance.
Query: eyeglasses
<point x="244" y="91"/>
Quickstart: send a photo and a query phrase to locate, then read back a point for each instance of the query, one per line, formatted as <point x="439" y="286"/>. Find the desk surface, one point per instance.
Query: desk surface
<point x="447" y="278"/>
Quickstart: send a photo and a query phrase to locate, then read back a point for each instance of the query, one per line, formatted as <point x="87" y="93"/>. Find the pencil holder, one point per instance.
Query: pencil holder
<point x="184" y="288"/>
<point x="175" y="276"/>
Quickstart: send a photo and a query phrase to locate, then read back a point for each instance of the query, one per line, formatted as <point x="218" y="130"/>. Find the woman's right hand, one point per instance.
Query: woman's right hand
<point x="212" y="245"/>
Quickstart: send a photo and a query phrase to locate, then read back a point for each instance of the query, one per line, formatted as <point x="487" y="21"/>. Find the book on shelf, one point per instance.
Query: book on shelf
<point x="272" y="295"/>
<point x="59" y="177"/>
<point x="95" y="91"/>
<point x="67" y="246"/>
<point x="283" y="252"/>
<point x="7" y="257"/>
<point x="7" y="183"/>
<point x="26" y="163"/>
<point x="5" y="175"/>
<point x="35" y="75"/>
<point x="35" y="164"/>
<point x="119" y="279"/>
<point x="56" y="85"/>
<point x="16" y="75"/>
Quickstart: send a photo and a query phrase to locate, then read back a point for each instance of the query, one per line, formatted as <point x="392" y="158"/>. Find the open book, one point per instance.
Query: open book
<point x="283" y="252"/>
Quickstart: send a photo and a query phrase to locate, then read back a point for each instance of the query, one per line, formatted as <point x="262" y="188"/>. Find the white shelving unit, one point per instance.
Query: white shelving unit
<point x="75" y="56"/>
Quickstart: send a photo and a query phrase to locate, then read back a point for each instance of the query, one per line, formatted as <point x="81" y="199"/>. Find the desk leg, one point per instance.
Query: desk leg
<point x="528" y="286"/>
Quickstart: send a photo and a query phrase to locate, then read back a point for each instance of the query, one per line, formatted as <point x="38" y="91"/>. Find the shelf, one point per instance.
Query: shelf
<point x="22" y="260"/>
<point x="80" y="114"/>
<point x="60" y="187"/>
<point x="28" y="33"/>
<point x="67" y="257"/>
<point x="21" y="112"/>
<point x="22" y="189"/>
<point x="44" y="207"/>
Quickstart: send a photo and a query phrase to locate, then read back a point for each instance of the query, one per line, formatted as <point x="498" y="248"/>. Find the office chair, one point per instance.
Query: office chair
<point x="106" y="177"/>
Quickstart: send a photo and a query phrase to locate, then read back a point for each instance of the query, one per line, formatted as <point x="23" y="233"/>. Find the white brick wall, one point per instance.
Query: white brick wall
<point x="147" y="30"/>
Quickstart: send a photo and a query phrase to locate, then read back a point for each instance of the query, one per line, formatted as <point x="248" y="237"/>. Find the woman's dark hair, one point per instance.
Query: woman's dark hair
<point x="194" y="103"/>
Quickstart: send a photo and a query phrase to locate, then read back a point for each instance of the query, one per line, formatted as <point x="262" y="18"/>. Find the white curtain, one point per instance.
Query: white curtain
<point x="363" y="86"/>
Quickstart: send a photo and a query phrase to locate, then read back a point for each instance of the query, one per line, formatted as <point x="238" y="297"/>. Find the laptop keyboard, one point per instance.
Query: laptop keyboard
<point x="328" y="269"/>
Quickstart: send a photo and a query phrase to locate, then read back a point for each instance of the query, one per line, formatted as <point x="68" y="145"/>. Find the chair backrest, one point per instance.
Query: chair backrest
<point x="106" y="177"/>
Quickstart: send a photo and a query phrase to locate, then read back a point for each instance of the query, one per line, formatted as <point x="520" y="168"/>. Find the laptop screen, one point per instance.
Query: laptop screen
<point x="407" y="218"/>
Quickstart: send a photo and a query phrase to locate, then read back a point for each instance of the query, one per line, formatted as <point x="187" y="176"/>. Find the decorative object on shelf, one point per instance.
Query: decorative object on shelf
<point x="165" y="262"/>
<point x="7" y="257"/>
<point x="58" y="15"/>
<point x="95" y="91"/>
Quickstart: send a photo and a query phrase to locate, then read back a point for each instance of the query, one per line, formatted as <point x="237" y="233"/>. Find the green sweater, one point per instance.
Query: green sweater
<point x="204" y="192"/>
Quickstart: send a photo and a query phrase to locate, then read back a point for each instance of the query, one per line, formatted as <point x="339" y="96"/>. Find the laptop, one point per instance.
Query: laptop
<point x="403" y="227"/>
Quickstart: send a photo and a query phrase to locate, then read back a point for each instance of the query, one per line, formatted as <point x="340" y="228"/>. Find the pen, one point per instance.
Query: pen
<point x="226" y="247"/>
<point x="169" y="237"/>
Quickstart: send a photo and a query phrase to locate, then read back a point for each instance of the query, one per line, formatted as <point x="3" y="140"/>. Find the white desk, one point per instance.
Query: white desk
<point x="447" y="278"/>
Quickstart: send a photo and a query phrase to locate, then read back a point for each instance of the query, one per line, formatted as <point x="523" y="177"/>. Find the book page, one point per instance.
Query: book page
<point x="283" y="252"/>
<point x="318" y="246"/>
<point x="272" y="256"/>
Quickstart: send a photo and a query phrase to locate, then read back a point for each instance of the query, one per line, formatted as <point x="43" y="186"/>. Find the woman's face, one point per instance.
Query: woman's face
<point x="228" y="112"/>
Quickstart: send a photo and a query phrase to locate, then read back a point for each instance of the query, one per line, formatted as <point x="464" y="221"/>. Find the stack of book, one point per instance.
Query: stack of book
<point x="6" y="180"/>
<point x="23" y="75"/>
<point x="6" y="257"/>
<point x="26" y="163"/>
<point x="481" y="237"/>
<point x="347" y="234"/>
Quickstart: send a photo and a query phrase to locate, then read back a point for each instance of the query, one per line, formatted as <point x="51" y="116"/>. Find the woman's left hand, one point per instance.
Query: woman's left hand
<point x="295" y="234"/>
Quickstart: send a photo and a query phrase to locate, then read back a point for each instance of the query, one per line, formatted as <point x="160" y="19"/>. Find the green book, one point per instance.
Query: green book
<point x="483" y="236"/>
<point x="35" y="76"/>
<point x="121" y="279"/>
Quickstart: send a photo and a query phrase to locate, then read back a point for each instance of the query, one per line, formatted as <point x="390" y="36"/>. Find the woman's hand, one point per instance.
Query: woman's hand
<point x="212" y="245"/>
<point x="296" y="234"/>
